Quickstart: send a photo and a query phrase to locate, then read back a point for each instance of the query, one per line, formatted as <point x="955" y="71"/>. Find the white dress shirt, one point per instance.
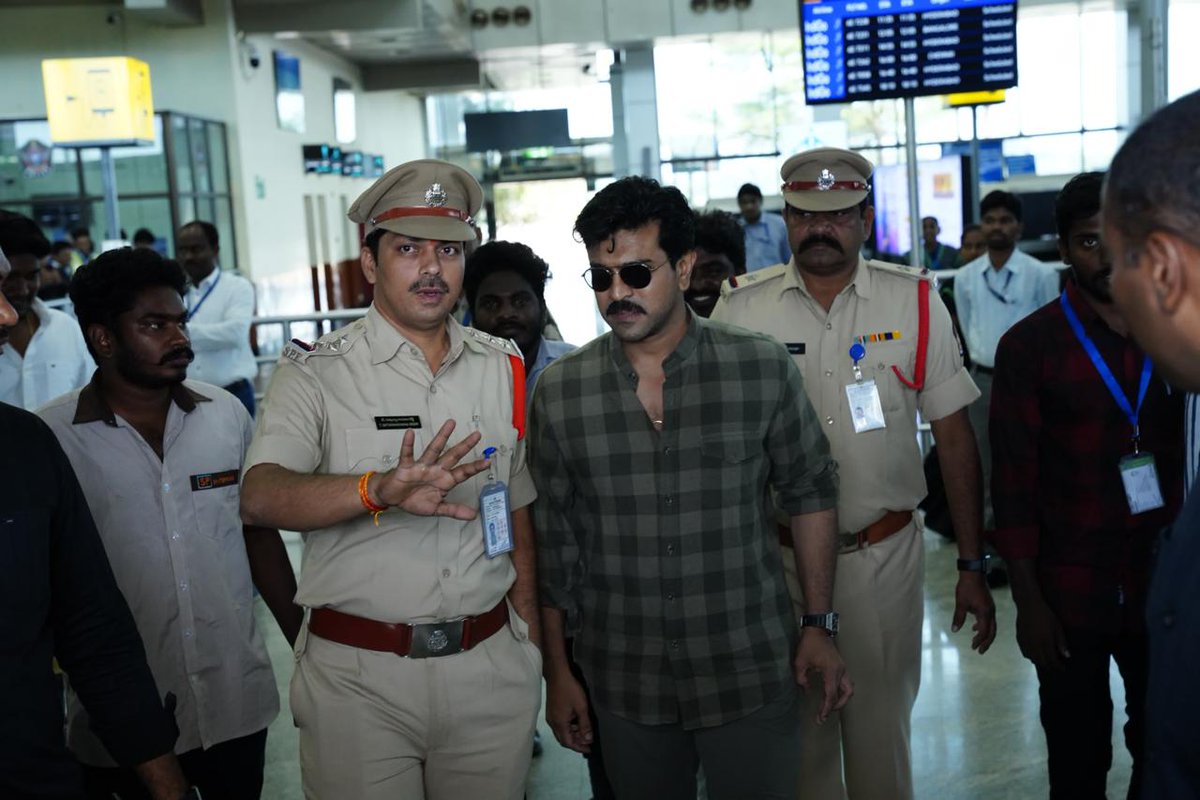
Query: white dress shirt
<point x="990" y="301"/>
<point x="221" y="308"/>
<point x="55" y="362"/>
<point x="173" y="535"/>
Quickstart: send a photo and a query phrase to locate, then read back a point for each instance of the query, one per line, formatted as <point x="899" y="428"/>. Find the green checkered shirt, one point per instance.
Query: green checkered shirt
<point x="661" y="546"/>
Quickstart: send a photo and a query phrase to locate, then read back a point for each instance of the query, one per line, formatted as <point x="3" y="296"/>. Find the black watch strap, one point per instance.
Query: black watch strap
<point x="827" y="622"/>
<point x="974" y="564"/>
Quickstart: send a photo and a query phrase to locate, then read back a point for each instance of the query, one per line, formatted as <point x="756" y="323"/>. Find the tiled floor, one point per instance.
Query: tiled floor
<point x="975" y="727"/>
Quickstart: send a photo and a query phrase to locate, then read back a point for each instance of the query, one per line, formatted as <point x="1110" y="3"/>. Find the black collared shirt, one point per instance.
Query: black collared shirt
<point x="58" y="599"/>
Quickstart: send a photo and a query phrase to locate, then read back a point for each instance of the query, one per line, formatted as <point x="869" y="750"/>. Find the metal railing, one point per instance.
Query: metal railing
<point x="287" y="320"/>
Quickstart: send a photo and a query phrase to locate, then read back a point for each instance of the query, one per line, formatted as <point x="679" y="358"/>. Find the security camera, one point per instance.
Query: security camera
<point x="254" y="59"/>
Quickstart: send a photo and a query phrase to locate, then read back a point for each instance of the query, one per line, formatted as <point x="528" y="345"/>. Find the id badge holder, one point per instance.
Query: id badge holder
<point x="862" y="397"/>
<point x="494" y="513"/>
<point x="1140" y="477"/>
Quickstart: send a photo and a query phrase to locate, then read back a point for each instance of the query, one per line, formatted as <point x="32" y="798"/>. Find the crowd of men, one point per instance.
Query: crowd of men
<point x="699" y="529"/>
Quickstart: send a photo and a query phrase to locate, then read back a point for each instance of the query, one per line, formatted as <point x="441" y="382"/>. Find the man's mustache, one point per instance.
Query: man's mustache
<point x="813" y="241"/>
<point x="623" y="306"/>
<point x="178" y="352"/>
<point x="430" y="282"/>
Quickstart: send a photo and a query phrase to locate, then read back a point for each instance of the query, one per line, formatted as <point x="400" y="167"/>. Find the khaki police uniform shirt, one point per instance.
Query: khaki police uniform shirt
<point x="342" y="408"/>
<point x="881" y="469"/>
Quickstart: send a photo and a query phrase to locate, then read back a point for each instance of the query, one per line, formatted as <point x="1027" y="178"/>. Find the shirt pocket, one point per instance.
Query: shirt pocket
<point x="217" y="508"/>
<point x="735" y="459"/>
<point x="371" y="449"/>
<point x="879" y="366"/>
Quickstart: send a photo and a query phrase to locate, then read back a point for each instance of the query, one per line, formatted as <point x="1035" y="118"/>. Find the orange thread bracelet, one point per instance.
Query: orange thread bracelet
<point x="368" y="504"/>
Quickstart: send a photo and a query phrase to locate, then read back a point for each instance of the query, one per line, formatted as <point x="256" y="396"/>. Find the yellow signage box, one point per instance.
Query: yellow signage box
<point x="98" y="101"/>
<point x="976" y="98"/>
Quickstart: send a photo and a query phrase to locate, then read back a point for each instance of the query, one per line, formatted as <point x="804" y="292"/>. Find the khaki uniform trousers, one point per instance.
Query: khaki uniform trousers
<point x="375" y="725"/>
<point x="862" y="752"/>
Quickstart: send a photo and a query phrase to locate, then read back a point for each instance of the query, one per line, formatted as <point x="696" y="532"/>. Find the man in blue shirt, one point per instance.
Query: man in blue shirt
<point x="766" y="234"/>
<point x="505" y="286"/>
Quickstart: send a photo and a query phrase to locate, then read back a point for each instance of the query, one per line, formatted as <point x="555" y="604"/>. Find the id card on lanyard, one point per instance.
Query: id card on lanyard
<point x="866" y="411"/>
<point x="494" y="512"/>
<point x="1139" y="475"/>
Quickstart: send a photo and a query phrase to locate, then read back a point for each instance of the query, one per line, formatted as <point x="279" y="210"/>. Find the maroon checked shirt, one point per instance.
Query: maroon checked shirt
<point x="1057" y="437"/>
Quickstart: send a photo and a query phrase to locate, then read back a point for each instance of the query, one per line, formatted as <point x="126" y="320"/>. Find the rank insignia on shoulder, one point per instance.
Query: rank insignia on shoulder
<point x="303" y="345"/>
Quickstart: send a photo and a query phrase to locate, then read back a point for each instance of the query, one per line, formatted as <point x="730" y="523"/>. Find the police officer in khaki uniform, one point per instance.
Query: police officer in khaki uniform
<point x="871" y="360"/>
<point x="418" y="674"/>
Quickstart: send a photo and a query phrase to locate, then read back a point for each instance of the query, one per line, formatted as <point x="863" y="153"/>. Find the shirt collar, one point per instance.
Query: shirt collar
<point x="1080" y="305"/>
<point x="210" y="278"/>
<point x="860" y="282"/>
<point x="385" y="341"/>
<point x="683" y="350"/>
<point x="41" y="310"/>
<point x="92" y="407"/>
<point x="1014" y="263"/>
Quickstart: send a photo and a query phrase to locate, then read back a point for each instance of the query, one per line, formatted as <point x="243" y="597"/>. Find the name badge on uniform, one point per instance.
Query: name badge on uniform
<point x="395" y="423"/>
<point x="494" y="513"/>
<point x="866" y="410"/>
<point x="1140" y="477"/>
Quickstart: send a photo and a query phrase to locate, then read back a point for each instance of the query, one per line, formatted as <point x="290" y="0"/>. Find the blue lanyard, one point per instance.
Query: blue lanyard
<point x="1001" y="297"/>
<point x="1106" y="374"/>
<point x="192" y="312"/>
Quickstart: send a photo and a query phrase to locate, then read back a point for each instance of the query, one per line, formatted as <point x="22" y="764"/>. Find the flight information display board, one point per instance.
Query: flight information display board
<point x="877" y="49"/>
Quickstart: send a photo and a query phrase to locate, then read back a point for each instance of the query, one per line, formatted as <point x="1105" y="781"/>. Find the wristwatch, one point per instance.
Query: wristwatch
<point x="974" y="564"/>
<point x="192" y="794"/>
<point x="827" y="622"/>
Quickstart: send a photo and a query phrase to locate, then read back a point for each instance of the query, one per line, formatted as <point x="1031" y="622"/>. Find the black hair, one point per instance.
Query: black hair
<point x="998" y="199"/>
<point x="371" y="242"/>
<point x="496" y="257"/>
<point x="109" y="286"/>
<point x="749" y="189"/>
<point x="1154" y="180"/>
<point x="632" y="202"/>
<point x="208" y="229"/>
<point x="143" y="236"/>
<point x="81" y="231"/>
<point x="719" y="232"/>
<point x="1078" y="200"/>
<point x="971" y="228"/>
<point x="59" y="245"/>
<point x="21" y="236"/>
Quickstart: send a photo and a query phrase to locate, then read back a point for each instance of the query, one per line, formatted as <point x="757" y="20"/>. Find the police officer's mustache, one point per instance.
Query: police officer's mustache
<point x="623" y="306"/>
<point x="178" y="352"/>
<point x="813" y="241"/>
<point x="429" y="282"/>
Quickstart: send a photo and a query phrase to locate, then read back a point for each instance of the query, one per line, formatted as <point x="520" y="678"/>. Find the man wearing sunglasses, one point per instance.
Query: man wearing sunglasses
<point x="653" y="448"/>
<point x="875" y="345"/>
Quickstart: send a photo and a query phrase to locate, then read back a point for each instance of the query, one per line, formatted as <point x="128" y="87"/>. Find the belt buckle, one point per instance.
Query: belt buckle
<point x="436" y="639"/>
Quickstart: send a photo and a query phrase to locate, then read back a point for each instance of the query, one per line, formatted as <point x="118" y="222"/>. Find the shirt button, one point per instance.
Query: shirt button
<point x="183" y="586"/>
<point x="828" y="373"/>
<point x="433" y="390"/>
<point x="670" y="596"/>
<point x="669" y="500"/>
<point x="1168" y="619"/>
<point x="828" y="326"/>
<point x="670" y="549"/>
<point x="666" y="451"/>
<point x="175" y="535"/>
<point x="829" y="420"/>
<point x="187" y="633"/>
<point x="674" y="644"/>
<point x="445" y="573"/>
<point x="166" y="487"/>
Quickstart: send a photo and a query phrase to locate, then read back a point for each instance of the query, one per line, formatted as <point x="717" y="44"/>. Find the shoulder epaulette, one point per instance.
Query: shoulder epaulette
<point x="914" y="273"/>
<point x="739" y="282"/>
<point x="505" y="346"/>
<point x="335" y="343"/>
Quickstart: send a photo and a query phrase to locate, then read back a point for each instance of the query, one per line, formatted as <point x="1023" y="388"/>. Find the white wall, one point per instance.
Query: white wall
<point x="200" y="70"/>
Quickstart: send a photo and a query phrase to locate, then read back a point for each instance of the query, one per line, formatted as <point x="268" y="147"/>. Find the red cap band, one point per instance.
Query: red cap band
<point x="422" y="211"/>
<point x="808" y="186"/>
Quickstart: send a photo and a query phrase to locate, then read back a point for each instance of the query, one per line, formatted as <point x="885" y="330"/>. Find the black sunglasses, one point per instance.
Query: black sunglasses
<point x="635" y="275"/>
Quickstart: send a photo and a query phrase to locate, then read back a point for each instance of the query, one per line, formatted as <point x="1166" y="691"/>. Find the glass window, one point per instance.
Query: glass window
<point x="1183" y="57"/>
<point x="198" y="141"/>
<point x="182" y="148"/>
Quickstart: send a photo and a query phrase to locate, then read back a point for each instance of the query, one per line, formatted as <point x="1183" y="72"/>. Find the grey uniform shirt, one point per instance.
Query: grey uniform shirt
<point x="342" y="408"/>
<point x="173" y="534"/>
<point x="881" y="469"/>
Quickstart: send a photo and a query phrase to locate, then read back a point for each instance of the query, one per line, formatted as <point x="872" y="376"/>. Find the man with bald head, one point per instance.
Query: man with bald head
<point x="419" y="672"/>
<point x="1152" y="226"/>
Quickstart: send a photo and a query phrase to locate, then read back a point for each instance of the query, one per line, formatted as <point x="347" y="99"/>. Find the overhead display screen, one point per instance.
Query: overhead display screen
<point x="878" y="49"/>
